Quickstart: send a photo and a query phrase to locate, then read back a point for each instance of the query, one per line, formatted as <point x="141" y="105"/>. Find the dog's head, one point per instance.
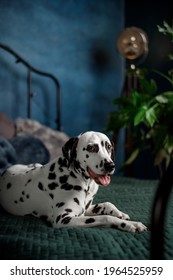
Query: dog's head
<point x="91" y="154"/>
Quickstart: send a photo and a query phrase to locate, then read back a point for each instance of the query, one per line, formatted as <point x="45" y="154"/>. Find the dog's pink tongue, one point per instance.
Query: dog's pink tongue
<point x="103" y="180"/>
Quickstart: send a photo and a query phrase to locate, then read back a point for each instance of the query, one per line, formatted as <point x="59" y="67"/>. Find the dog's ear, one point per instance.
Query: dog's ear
<point x="113" y="151"/>
<point x="69" y="149"/>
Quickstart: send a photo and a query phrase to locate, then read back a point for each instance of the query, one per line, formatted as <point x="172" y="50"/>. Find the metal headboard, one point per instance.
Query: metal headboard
<point x="29" y="83"/>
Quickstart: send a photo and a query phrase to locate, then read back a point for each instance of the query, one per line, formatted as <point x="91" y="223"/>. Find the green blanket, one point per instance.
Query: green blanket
<point x="30" y="238"/>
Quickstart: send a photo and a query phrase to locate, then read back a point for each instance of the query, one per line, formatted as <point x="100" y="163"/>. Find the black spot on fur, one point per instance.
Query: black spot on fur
<point x="73" y="175"/>
<point x="76" y="200"/>
<point x="52" y="167"/>
<point x="89" y="221"/>
<point x="58" y="218"/>
<point x="63" y="179"/>
<point x="77" y="188"/>
<point x="15" y="202"/>
<point x="35" y="213"/>
<point x="60" y="161"/>
<point x="51" y="195"/>
<point x="63" y="162"/>
<point x="52" y="176"/>
<point x="60" y="204"/>
<point x="88" y="204"/>
<point x="94" y="148"/>
<point x="85" y="176"/>
<point x="40" y="186"/>
<point x="66" y="220"/>
<point x="23" y="192"/>
<point x="65" y="214"/>
<point x="87" y="156"/>
<point x="96" y="209"/>
<point x="53" y="186"/>
<point x="28" y="182"/>
<point x="9" y="185"/>
<point x="77" y="166"/>
<point x="102" y="143"/>
<point x="61" y="169"/>
<point x="87" y="190"/>
<point x="27" y="196"/>
<point x="21" y="199"/>
<point x="66" y="187"/>
<point x="102" y="212"/>
<point x="68" y="210"/>
<point x="123" y="225"/>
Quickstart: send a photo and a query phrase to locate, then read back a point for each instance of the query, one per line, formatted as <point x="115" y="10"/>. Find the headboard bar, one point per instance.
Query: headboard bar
<point x="33" y="69"/>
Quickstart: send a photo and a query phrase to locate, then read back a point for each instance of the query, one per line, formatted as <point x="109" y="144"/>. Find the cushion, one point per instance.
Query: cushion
<point x="30" y="149"/>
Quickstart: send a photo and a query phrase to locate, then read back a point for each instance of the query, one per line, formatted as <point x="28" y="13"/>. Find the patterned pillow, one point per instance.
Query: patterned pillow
<point x="29" y="150"/>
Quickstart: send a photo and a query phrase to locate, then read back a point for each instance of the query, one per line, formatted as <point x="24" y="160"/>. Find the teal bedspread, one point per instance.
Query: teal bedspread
<point x="30" y="238"/>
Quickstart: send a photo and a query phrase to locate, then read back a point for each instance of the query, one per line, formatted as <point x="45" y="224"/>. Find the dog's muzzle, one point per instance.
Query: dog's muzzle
<point x="103" y="179"/>
<point x="109" y="167"/>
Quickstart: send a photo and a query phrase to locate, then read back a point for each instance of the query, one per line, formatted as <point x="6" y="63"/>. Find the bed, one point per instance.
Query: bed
<point x="148" y="201"/>
<point x="31" y="238"/>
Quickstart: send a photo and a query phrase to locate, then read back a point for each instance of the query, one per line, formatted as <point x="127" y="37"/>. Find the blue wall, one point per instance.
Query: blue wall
<point x="75" y="41"/>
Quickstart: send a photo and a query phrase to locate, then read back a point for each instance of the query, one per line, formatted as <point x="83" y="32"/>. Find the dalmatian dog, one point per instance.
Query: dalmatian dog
<point x="62" y="191"/>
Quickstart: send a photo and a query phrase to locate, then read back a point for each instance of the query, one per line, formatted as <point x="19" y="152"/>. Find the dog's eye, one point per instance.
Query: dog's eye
<point x="92" y="148"/>
<point x="108" y="147"/>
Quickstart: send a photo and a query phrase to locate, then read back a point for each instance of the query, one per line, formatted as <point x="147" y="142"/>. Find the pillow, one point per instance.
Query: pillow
<point x="8" y="155"/>
<point x="7" y="126"/>
<point x="29" y="150"/>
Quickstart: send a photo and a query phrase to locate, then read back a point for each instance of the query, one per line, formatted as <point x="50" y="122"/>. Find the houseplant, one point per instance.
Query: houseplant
<point x="149" y="114"/>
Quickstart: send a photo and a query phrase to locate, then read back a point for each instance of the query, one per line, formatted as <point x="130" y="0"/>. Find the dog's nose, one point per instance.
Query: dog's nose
<point x="109" y="166"/>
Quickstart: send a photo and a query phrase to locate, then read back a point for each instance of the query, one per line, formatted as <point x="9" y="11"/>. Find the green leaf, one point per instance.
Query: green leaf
<point x="161" y="99"/>
<point x="168" y="94"/>
<point x="166" y="29"/>
<point x="151" y="116"/>
<point x="132" y="157"/>
<point x="170" y="56"/>
<point x="140" y="116"/>
<point x="135" y="97"/>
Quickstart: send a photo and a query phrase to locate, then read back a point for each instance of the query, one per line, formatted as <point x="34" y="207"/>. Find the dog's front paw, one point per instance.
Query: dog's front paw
<point x="123" y="216"/>
<point x="133" y="226"/>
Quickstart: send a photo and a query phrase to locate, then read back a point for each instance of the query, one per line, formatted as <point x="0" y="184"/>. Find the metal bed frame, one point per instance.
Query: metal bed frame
<point x="31" y="69"/>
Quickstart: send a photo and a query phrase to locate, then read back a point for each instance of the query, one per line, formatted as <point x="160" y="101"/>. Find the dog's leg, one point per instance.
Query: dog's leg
<point x="106" y="208"/>
<point x="96" y="221"/>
